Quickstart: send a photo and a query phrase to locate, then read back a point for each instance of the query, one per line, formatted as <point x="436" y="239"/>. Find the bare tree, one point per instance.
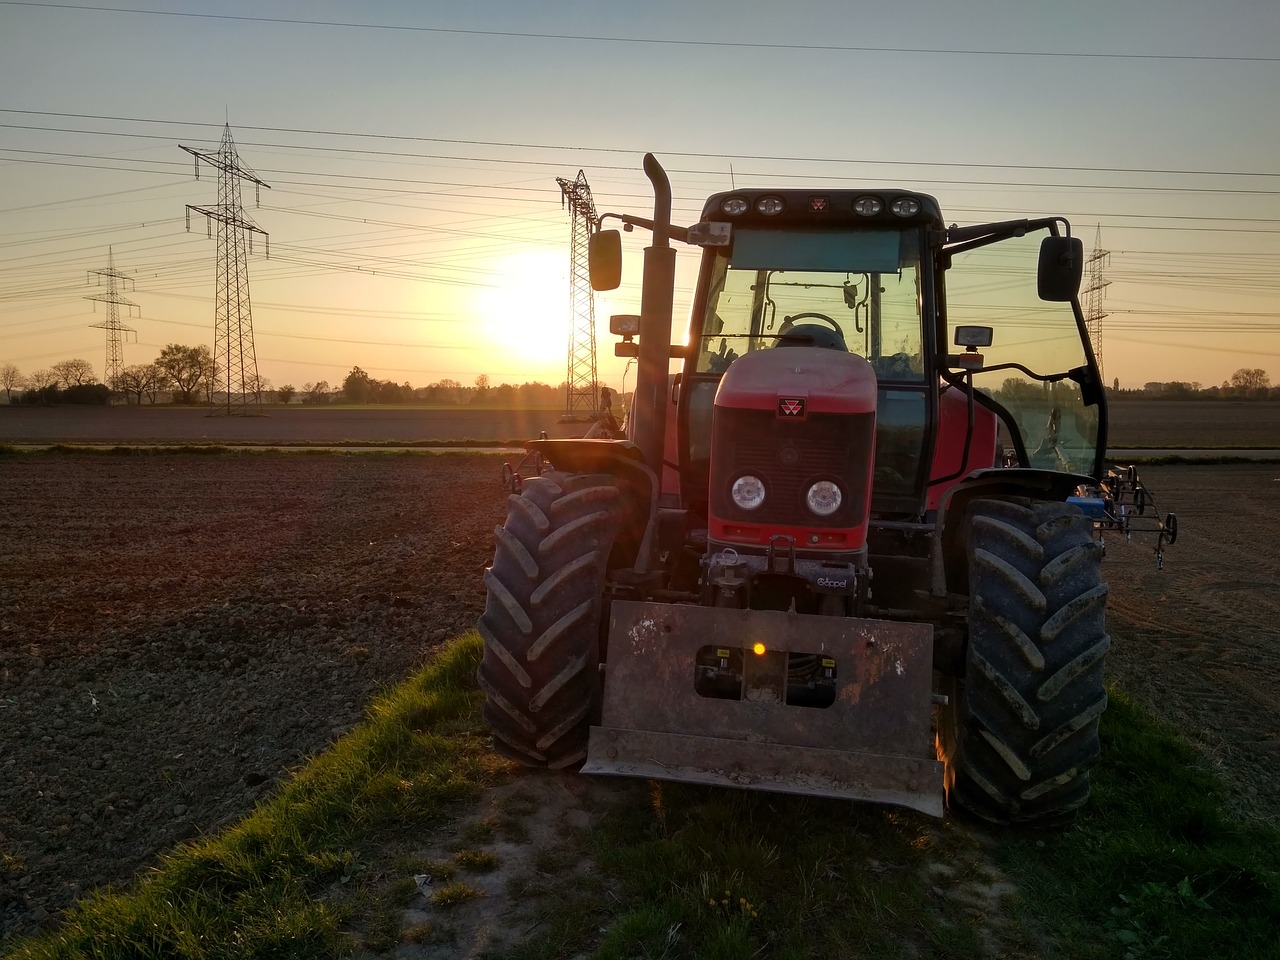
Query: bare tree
<point x="74" y="373"/>
<point x="140" y="379"/>
<point x="11" y="379"/>
<point x="1250" y="380"/>
<point x="186" y="368"/>
<point x="39" y="379"/>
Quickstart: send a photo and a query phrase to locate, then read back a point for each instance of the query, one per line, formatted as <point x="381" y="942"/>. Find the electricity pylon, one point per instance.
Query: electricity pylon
<point x="580" y="401"/>
<point x="234" y="359"/>
<point x="116" y="331"/>
<point x="1093" y="292"/>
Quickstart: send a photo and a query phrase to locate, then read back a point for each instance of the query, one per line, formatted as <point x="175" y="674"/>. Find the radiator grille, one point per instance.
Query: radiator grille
<point x="790" y="456"/>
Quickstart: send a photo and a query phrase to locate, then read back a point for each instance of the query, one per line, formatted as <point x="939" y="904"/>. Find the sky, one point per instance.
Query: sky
<point x="412" y="150"/>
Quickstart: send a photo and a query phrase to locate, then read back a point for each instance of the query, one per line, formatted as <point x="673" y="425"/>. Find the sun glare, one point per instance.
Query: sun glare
<point x="524" y="318"/>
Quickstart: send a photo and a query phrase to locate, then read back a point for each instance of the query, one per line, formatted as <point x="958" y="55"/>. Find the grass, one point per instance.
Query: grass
<point x="1152" y="869"/>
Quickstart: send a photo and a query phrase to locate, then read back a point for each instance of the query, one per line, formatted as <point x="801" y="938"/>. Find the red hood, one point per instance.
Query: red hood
<point x="829" y="381"/>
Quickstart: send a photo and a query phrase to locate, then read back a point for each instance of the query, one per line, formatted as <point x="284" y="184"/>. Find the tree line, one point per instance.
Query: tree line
<point x="1247" y="383"/>
<point x="188" y="375"/>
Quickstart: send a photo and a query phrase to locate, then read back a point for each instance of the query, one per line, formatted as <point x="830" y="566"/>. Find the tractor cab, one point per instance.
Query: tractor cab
<point x="867" y="273"/>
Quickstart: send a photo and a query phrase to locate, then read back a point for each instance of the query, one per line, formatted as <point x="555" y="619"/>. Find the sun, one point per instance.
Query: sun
<point x="524" y="317"/>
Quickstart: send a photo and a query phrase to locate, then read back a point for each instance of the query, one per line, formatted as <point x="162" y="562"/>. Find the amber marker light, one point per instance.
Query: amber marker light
<point x="758" y="649"/>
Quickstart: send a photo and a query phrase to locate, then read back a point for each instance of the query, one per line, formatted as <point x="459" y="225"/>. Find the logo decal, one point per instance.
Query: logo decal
<point x="791" y="407"/>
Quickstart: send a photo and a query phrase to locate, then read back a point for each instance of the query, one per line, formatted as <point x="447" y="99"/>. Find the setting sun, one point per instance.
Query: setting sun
<point x="524" y="318"/>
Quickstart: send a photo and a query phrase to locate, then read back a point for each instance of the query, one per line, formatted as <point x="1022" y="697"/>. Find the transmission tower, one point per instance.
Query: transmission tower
<point x="1093" y="292"/>
<point x="116" y="331"/>
<point x="235" y="362"/>
<point x="580" y="402"/>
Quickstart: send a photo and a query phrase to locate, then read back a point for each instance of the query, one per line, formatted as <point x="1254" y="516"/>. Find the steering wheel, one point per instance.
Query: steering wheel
<point x="790" y="322"/>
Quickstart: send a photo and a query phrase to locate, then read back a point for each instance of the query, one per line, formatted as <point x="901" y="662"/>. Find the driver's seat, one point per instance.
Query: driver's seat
<point x="812" y="335"/>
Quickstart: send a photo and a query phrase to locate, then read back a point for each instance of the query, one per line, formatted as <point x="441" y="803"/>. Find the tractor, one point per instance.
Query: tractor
<point x="852" y="548"/>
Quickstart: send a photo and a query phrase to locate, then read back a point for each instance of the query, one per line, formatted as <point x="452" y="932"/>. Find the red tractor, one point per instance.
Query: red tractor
<point x="851" y="548"/>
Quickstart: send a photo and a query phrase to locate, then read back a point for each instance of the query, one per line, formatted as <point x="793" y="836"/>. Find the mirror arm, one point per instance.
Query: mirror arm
<point x="628" y="221"/>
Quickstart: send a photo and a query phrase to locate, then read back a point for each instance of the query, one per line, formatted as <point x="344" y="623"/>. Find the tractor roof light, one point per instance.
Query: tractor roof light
<point x="770" y="206"/>
<point x="748" y="492"/>
<point x="868" y="206"/>
<point x="905" y="207"/>
<point x="734" y="206"/>
<point x="824" y="498"/>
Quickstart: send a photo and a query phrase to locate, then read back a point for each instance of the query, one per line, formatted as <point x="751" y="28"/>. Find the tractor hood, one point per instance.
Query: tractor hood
<point x="797" y="382"/>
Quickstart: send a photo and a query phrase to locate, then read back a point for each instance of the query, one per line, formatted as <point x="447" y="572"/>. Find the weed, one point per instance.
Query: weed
<point x="451" y="894"/>
<point x="477" y="861"/>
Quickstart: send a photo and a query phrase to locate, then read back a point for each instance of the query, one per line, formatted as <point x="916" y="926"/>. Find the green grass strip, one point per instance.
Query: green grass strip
<point x="1153" y="862"/>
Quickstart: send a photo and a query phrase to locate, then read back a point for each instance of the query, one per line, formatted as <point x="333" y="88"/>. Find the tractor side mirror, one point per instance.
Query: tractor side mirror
<point x="1061" y="268"/>
<point x="604" y="259"/>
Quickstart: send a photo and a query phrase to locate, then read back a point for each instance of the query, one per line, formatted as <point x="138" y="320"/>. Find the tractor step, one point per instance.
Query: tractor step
<point x="784" y="702"/>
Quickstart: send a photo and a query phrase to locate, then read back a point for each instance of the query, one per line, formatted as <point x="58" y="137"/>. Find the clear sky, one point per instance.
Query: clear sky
<point x="412" y="148"/>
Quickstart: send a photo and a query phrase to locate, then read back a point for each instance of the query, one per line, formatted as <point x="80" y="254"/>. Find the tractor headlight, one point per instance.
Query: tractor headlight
<point x="748" y="492"/>
<point x="905" y="206"/>
<point x="734" y="206"/>
<point x="824" y="498"/>
<point x="770" y="206"/>
<point x="868" y="206"/>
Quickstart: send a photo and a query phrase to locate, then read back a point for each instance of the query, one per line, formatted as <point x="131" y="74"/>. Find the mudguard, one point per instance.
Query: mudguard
<point x="873" y="741"/>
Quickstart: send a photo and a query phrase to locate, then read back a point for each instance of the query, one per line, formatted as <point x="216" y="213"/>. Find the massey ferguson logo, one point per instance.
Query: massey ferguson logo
<point x="791" y="407"/>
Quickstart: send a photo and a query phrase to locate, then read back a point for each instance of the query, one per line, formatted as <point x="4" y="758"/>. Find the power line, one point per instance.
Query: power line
<point x="657" y="41"/>
<point x="627" y="151"/>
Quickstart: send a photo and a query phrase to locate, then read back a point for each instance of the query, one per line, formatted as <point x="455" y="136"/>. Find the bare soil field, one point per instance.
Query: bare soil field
<point x="178" y="630"/>
<point x="1134" y="423"/>
<point x="296" y="424"/>
<point x="1198" y="642"/>
<point x="1193" y="423"/>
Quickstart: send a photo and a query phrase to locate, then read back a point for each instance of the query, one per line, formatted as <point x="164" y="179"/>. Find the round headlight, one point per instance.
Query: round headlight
<point x="905" y="206"/>
<point x="748" y="492"/>
<point x="868" y="206"/>
<point x="734" y="206"/>
<point x="769" y="206"/>
<point x="824" y="498"/>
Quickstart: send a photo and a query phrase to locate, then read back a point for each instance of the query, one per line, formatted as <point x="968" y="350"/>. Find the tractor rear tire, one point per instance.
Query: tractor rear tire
<point x="541" y="625"/>
<point x="1021" y="732"/>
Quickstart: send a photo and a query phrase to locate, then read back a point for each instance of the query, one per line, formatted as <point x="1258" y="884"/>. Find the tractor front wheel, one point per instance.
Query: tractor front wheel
<point x="541" y="625"/>
<point x="1021" y="731"/>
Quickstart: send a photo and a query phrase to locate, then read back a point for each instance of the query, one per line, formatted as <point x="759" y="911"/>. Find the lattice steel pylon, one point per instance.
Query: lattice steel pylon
<point x="234" y="358"/>
<point x="1093" y="295"/>
<point x="116" y="331"/>
<point x="581" y="400"/>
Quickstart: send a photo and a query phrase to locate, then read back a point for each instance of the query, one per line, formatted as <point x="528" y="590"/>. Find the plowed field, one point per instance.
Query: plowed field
<point x="178" y="630"/>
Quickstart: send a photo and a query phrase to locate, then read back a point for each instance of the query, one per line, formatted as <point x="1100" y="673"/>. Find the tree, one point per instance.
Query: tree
<point x="40" y="379"/>
<point x="1250" y="380"/>
<point x="74" y="373"/>
<point x="139" y="379"/>
<point x="317" y="392"/>
<point x="10" y="379"/>
<point x="185" y="368"/>
<point x="286" y="393"/>
<point x="355" y="388"/>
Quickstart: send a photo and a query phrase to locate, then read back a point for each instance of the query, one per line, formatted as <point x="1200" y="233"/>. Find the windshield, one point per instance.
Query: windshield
<point x="855" y="291"/>
<point x="994" y="286"/>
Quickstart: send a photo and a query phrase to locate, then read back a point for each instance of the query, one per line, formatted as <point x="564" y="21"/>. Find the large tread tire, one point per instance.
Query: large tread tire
<point x="1022" y="734"/>
<point x="540" y="672"/>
